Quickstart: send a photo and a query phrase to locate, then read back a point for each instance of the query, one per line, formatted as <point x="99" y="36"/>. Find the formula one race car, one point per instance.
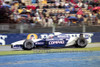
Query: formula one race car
<point x="55" y="40"/>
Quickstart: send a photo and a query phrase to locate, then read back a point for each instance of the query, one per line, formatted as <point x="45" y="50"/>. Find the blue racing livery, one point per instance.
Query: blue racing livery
<point x="56" y="39"/>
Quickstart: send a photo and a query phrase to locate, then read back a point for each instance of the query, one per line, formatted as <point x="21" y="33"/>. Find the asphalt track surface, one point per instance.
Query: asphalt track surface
<point x="8" y="48"/>
<point x="68" y="59"/>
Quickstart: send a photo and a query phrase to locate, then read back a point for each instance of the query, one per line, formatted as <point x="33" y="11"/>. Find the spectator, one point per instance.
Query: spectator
<point x="44" y="23"/>
<point x="45" y="6"/>
<point x="55" y="20"/>
<point x="17" y="16"/>
<point x="44" y="1"/>
<point x="52" y="1"/>
<point x="94" y="19"/>
<point x="50" y="22"/>
<point x="57" y="6"/>
<point x="60" y="6"/>
<point x="67" y="10"/>
<point x="57" y="3"/>
<point x="0" y="3"/>
<point x="73" y="11"/>
<point x="80" y="21"/>
<point x="51" y="6"/>
<point x="80" y="4"/>
<point x="98" y="16"/>
<point x="67" y="4"/>
<point x="38" y="7"/>
<point x="44" y="12"/>
<point x="85" y="5"/>
<point x="51" y="13"/>
<point x="66" y="21"/>
<point x="61" y="20"/>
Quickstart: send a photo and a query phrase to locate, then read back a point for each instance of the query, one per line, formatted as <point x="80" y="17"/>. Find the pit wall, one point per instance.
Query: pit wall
<point x="7" y="39"/>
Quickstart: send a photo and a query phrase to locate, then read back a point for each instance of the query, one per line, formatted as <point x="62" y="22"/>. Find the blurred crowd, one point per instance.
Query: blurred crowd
<point x="49" y="12"/>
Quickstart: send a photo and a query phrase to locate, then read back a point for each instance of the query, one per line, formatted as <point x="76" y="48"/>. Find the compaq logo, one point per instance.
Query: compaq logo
<point x="56" y="42"/>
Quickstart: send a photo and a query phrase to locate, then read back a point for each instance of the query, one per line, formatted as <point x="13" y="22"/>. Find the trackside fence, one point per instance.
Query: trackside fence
<point x="37" y="28"/>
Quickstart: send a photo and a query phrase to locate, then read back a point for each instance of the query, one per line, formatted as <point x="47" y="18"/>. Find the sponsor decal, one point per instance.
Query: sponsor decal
<point x="2" y="39"/>
<point x="56" y="42"/>
<point x="39" y="43"/>
<point x="43" y="36"/>
<point x="87" y="36"/>
<point x="32" y="36"/>
<point x="64" y="36"/>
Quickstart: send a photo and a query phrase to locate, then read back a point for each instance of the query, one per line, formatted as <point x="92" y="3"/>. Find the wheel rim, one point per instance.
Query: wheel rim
<point x="28" y="45"/>
<point x="81" y="42"/>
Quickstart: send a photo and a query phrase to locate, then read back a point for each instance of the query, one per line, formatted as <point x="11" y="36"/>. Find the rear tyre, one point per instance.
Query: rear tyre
<point x="81" y="43"/>
<point x="28" y="45"/>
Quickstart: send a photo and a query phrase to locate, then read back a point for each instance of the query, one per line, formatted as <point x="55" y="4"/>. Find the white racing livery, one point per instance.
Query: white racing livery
<point x="56" y="39"/>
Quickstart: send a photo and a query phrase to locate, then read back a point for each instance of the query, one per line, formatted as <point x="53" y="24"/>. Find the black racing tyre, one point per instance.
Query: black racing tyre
<point x="28" y="45"/>
<point x="81" y="43"/>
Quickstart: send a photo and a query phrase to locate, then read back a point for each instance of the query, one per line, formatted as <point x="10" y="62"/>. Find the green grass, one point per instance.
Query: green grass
<point x="35" y="51"/>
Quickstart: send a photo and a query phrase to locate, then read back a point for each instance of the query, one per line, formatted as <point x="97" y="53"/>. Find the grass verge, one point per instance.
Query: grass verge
<point x="49" y="51"/>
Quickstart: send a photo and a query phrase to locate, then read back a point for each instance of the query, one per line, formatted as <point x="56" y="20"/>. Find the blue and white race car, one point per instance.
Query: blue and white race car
<point x="56" y="40"/>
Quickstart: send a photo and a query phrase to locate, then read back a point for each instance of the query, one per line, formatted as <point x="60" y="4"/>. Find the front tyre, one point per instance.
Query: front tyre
<point x="28" y="45"/>
<point x="81" y="43"/>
